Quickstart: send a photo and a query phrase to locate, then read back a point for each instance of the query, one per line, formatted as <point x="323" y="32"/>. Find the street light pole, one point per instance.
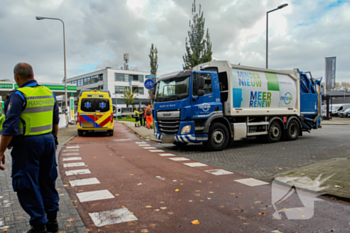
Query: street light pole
<point x="267" y="31"/>
<point x="65" y="67"/>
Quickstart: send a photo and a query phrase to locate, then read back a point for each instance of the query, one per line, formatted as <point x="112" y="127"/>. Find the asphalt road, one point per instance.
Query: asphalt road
<point x="262" y="160"/>
<point x="129" y="187"/>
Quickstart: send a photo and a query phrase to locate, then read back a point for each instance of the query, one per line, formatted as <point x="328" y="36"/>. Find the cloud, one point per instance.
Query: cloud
<point x="98" y="33"/>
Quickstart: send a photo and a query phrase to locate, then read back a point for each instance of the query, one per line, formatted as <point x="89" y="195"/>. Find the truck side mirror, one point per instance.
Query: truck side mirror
<point x="200" y="92"/>
<point x="200" y="83"/>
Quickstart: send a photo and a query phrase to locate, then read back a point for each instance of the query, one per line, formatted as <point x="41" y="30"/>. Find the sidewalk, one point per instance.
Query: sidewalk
<point x="336" y="121"/>
<point x="335" y="177"/>
<point x="141" y="131"/>
<point x="12" y="216"/>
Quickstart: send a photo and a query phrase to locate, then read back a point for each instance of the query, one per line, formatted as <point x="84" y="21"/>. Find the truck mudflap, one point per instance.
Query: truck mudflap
<point x="184" y="138"/>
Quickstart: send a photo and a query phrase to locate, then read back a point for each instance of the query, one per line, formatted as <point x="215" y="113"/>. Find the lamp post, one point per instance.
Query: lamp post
<point x="267" y="31"/>
<point x="65" y="69"/>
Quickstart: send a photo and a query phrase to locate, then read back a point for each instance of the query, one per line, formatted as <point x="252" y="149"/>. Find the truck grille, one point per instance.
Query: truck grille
<point x="168" y="126"/>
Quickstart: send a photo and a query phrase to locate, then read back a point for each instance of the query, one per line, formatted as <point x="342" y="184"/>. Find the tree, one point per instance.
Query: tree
<point x="128" y="96"/>
<point x="153" y="60"/>
<point x="198" y="48"/>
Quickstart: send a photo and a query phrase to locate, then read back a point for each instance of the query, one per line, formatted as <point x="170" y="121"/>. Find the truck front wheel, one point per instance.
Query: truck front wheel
<point x="218" y="137"/>
<point x="275" y="132"/>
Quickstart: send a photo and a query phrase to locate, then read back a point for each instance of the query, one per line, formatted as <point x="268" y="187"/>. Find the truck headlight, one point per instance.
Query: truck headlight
<point x="186" y="129"/>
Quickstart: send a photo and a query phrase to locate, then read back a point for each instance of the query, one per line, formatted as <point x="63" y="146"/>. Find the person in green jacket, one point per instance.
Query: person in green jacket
<point x="137" y="117"/>
<point x="2" y="119"/>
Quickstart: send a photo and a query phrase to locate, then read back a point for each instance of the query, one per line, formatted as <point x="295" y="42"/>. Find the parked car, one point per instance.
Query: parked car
<point x="344" y="113"/>
<point x="336" y="108"/>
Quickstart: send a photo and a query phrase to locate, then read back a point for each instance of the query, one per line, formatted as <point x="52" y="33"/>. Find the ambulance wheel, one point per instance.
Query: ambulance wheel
<point x="80" y="132"/>
<point x="275" y="132"/>
<point x="218" y="137"/>
<point x="110" y="132"/>
<point x="293" y="130"/>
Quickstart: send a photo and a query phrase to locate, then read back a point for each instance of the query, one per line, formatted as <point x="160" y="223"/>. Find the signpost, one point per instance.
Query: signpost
<point x="149" y="84"/>
<point x="71" y="99"/>
<point x="149" y="76"/>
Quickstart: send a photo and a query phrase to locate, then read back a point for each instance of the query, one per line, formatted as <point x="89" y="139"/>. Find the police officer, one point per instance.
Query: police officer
<point x="31" y="127"/>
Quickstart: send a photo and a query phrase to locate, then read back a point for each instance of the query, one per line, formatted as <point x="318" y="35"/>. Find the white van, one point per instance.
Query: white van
<point x="335" y="108"/>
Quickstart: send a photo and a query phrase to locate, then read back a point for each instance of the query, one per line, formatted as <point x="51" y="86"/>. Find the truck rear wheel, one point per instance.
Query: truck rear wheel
<point x="275" y="132"/>
<point x="293" y="130"/>
<point x="218" y="137"/>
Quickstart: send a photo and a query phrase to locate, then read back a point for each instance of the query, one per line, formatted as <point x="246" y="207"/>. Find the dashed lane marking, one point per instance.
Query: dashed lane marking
<point x="167" y="154"/>
<point x="156" y="150"/>
<point x="68" y="154"/>
<point x="219" y="172"/>
<point x="78" y="172"/>
<point x="95" y="195"/>
<point x="195" y="164"/>
<point x="179" y="159"/>
<point x="150" y="147"/>
<point x="121" y="140"/>
<point x="71" y="158"/>
<point x="251" y="182"/>
<point x="74" y="164"/>
<point x="144" y="145"/>
<point x="112" y="217"/>
<point x="88" y="181"/>
<point x="72" y="147"/>
<point x="71" y="150"/>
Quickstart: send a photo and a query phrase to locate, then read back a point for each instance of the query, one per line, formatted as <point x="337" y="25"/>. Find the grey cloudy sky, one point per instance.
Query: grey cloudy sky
<point x="99" y="32"/>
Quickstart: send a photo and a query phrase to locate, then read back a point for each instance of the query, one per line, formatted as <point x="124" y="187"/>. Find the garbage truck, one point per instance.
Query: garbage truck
<point x="217" y="103"/>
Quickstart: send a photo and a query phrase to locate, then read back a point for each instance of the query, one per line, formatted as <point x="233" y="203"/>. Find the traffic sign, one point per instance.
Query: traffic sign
<point x="149" y="76"/>
<point x="149" y="84"/>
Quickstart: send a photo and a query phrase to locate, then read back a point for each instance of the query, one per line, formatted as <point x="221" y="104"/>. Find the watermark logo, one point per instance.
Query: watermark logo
<point x="287" y="98"/>
<point x="297" y="185"/>
<point x="205" y="107"/>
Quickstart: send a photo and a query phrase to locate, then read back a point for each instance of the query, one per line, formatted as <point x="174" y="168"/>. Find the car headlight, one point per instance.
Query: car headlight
<point x="186" y="129"/>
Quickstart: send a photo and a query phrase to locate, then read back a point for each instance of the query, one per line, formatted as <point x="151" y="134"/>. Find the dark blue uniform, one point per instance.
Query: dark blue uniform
<point x="34" y="169"/>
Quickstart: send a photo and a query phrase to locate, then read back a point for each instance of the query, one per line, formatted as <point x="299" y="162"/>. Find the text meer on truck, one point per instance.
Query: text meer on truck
<point x="217" y="103"/>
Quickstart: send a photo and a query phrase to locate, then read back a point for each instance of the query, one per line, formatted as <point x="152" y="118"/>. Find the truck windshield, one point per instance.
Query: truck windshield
<point x="172" y="89"/>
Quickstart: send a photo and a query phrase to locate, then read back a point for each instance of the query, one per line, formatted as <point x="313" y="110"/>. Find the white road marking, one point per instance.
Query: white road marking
<point x="140" y="142"/>
<point x="71" y="158"/>
<point x="71" y="150"/>
<point x="73" y="164"/>
<point x="195" y="164"/>
<point x="151" y="147"/>
<point x="68" y="154"/>
<point x="78" y="172"/>
<point x="112" y="217"/>
<point x="88" y="181"/>
<point x="156" y="150"/>
<point x="179" y="159"/>
<point x="121" y="140"/>
<point x="219" y="172"/>
<point x="144" y="145"/>
<point x="159" y="177"/>
<point x="251" y="182"/>
<point x="95" y="195"/>
<point x="72" y="147"/>
<point x="167" y="154"/>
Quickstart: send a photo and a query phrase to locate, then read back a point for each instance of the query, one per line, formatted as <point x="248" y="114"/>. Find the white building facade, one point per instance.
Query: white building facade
<point x="115" y="81"/>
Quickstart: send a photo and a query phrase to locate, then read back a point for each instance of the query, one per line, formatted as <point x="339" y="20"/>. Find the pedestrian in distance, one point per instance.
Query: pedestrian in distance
<point x="149" y="119"/>
<point x="31" y="128"/>
<point x="2" y="119"/>
<point x="142" y="115"/>
<point x="137" y="117"/>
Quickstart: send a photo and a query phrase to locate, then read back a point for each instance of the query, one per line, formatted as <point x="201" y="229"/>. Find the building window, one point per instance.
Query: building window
<point x="80" y="82"/>
<point x="141" y="78"/>
<point x="121" y="77"/>
<point x="100" y="77"/>
<point x="119" y="89"/>
<point x="138" y="90"/>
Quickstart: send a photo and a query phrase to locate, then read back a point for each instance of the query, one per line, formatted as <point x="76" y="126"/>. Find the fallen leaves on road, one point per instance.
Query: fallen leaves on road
<point x="71" y="220"/>
<point x="132" y="223"/>
<point x="170" y="213"/>
<point x="235" y="209"/>
<point x="262" y="214"/>
<point x="197" y="191"/>
<point x="241" y="217"/>
<point x="152" y="225"/>
<point x="139" y="184"/>
<point x="156" y="209"/>
<point x="148" y="206"/>
<point x="116" y="195"/>
<point x="163" y="208"/>
<point x="195" y="222"/>
<point x="190" y="201"/>
<point x="176" y="190"/>
<point x="65" y="185"/>
<point x="69" y="225"/>
<point x="211" y="192"/>
<point x="209" y="198"/>
<point x="161" y="202"/>
<point x="131" y="174"/>
<point x="197" y="194"/>
<point x="144" y="230"/>
<point x="257" y="202"/>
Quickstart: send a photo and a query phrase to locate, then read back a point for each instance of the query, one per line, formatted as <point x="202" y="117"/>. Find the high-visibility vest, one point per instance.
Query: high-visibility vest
<point x="136" y="113"/>
<point x="37" y="116"/>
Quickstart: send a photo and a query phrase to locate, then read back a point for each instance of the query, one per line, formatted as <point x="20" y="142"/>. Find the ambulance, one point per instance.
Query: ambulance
<point x="95" y="112"/>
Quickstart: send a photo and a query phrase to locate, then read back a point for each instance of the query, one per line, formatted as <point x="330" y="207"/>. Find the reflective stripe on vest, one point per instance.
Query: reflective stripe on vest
<point x="37" y="117"/>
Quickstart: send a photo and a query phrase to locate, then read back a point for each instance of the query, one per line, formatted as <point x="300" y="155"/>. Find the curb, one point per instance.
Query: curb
<point x="150" y="139"/>
<point x="347" y="199"/>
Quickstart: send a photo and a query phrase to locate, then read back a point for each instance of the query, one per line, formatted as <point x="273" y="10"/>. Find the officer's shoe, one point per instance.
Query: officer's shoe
<point x="52" y="226"/>
<point x="38" y="229"/>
